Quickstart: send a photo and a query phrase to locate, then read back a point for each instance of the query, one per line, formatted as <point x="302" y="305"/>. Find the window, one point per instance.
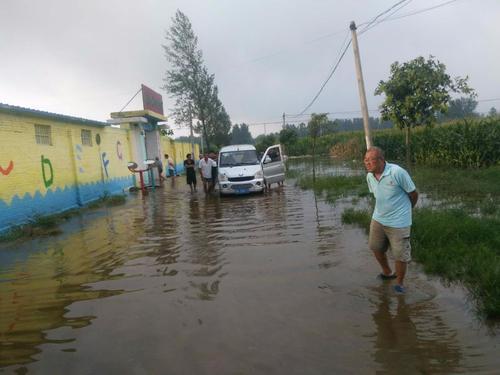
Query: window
<point x="43" y="134"/>
<point x="86" y="137"/>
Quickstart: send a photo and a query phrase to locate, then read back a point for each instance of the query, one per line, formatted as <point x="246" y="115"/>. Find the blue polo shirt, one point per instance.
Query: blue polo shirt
<point x="392" y="204"/>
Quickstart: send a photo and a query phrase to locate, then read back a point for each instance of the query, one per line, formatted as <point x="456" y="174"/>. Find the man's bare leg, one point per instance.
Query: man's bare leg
<point x="400" y="271"/>
<point x="382" y="260"/>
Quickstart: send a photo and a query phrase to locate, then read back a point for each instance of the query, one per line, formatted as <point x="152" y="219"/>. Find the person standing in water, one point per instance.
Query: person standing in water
<point x="189" y="166"/>
<point x="395" y="196"/>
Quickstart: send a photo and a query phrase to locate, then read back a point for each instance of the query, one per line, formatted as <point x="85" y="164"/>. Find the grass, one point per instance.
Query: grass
<point x="456" y="247"/>
<point x="361" y="218"/>
<point x="48" y="225"/>
<point x="458" y="244"/>
<point x="336" y="186"/>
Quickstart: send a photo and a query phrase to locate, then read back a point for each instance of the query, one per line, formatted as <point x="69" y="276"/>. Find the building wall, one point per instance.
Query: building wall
<point x="178" y="152"/>
<point x="38" y="179"/>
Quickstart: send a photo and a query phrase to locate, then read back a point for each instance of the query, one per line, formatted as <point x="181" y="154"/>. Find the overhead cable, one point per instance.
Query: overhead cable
<point x="328" y="78"/>
<point x="421" y="10"/>
<point x="132" y="98"/>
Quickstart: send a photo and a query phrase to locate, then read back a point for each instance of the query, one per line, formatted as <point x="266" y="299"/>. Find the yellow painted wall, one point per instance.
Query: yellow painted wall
<point x="69" y="164"/>
<point x="74" y="173"/>
<point x="178" y="151"/>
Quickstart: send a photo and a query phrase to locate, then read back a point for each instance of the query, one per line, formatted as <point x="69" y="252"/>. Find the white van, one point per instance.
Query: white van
<point x="241" y="171"/>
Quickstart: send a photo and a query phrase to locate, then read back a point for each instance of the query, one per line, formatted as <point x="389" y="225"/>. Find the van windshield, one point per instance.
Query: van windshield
<point x="236" y="158"/>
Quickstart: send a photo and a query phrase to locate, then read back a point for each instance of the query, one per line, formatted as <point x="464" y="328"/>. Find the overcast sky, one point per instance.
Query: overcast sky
<point x="87" y="58"/>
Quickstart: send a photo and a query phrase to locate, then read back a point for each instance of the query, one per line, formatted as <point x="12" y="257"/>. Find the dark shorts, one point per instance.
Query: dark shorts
<point x="171" y="172"/>
<point x="190" y="177"/>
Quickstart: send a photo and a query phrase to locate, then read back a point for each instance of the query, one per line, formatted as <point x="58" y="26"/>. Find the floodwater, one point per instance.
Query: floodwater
<point x="180" y="283"/>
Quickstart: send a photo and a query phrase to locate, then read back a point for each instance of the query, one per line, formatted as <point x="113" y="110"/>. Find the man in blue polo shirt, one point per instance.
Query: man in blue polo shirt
<point x="395" y="196"/>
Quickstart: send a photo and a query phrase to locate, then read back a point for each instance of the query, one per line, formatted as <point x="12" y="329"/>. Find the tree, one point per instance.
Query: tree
<point x="288" y="136"/>
<point x="240" y="134"/>
<point x="492" y="112"/>
<point x="316" y="123"/>
<point x="416" y="92"/>
<point x="300" y="130"/>
<point x="188" y="81"/>
<point x="218" y="123"/>
<point x="263" y="141"/>
<point x="461" y="107"/>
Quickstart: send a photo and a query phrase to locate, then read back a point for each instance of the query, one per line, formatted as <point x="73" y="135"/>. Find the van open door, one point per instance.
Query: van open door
<point x="273" y="165"/>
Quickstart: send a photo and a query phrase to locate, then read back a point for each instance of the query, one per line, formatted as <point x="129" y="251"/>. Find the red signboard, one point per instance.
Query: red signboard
<point x="151" y="100"/>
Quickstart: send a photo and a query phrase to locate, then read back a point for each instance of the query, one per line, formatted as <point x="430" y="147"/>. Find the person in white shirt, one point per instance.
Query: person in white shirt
<point x="170" y="166"/>
<point x="205" y="167"/>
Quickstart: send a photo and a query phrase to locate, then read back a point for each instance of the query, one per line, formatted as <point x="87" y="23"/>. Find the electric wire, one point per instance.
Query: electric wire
<point x="488" y="100"/>
<point x="421" y="11"/>
<point x="381" y="14"/>
<point x="328" y="78"/>
<point x="394" y="8"/>
<point x="343" y="54"/>
<point x="369" y="27"/>
<point x="125" y="106"/>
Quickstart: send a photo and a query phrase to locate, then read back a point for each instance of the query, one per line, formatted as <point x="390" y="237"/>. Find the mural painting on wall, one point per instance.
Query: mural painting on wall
<point x="47" y="181"/>
<point x="79" y="152"/>
<point x="9" y="169"/>
<point x="119" y="151"/>
<point x="105" y="163"/>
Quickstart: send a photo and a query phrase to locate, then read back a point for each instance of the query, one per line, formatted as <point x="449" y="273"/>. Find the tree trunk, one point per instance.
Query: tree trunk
<point x="314" y="160"/>
<point x="408" y="151"/>
<point x="205" y="135"/>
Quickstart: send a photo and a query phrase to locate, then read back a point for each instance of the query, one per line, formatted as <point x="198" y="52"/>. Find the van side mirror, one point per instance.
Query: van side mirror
<point x="267" y="159"/>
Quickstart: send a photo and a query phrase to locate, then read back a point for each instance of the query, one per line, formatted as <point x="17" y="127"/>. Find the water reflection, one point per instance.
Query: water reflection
<point x="263" y="280"/>
<point x="35" y="293"/>
<point x="403" y="346"/>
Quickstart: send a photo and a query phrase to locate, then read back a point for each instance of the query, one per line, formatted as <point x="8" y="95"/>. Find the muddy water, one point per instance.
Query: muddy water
<point x="178" y="283"/>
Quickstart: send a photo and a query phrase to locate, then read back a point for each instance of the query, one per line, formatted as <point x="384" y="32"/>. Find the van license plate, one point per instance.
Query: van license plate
<point x="241" y="191"/>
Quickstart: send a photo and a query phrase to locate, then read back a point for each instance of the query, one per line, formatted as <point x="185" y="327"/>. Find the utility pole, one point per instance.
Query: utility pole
<point x="283" y="120"/>
<point x="361" y="87"/>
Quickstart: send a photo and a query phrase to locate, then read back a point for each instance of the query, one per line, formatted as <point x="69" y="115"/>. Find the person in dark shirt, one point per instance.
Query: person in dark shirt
<point x="189" y="166"/>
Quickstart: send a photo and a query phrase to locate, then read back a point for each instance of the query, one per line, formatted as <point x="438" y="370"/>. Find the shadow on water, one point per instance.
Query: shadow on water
<point x="269" y="284"/>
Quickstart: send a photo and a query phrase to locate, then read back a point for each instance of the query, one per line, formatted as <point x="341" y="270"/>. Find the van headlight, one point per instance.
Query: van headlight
<point x="259" y="174"/>
<point x="222" y="177"/>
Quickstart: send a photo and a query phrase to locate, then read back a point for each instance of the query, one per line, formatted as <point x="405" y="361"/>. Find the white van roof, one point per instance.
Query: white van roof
<point x="236" y="148"/>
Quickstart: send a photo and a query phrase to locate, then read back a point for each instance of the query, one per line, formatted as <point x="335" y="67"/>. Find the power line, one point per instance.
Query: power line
<point x="264" y="57"/>
<point x="394" y="8"/>
<point x="328" y="79"/>
<point x="343" y="54"/>
<point x="132" y="98"/>
<point x="488" y="100"/>
<point x="369" y="27"/>
<point x="329" y="35"/>
<point x="381" y="14"/>
<point x="421" y="11"/>
<point x="334" y="113"/>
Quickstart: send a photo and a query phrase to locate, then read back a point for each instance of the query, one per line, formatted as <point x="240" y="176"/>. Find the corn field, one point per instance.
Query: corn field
<point x="463" y="144"/>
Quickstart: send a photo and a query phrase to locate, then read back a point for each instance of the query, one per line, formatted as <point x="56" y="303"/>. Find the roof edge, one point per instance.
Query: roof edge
<point x="50" y="115"/>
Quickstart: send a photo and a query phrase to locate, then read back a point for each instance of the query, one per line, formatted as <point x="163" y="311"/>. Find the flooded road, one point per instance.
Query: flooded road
<point x="180" y="283"/>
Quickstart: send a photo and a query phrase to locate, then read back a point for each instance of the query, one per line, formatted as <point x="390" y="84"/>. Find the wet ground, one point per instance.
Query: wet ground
<point x="180" y="283"/>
